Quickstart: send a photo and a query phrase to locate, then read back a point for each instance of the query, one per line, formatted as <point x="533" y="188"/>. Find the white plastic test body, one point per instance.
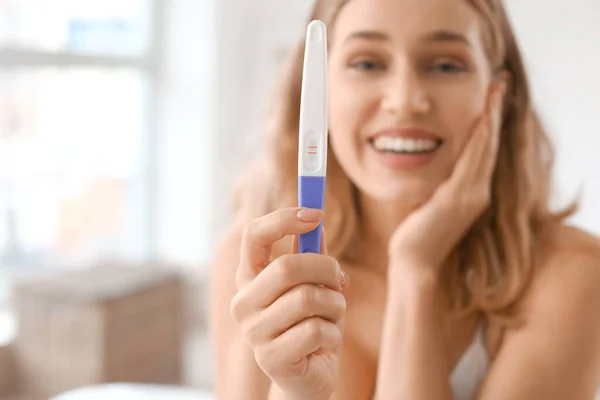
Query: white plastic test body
<point x="312" y="150"/>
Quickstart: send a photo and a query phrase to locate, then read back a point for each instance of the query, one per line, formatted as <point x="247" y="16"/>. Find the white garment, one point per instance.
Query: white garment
<point x="472" y="368"/>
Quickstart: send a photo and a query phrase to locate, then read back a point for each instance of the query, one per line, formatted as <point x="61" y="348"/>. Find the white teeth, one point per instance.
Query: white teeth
<point x="403" y="145"/>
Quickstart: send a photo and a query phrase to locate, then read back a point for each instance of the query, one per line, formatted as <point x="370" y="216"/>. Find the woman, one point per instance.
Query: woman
<point x="464" y="285"/>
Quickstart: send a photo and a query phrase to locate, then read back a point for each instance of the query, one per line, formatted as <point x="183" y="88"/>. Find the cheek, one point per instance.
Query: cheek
<point x="460" y="110"/>
<point x="348" y="113"/>
<point x="343" y="104"/>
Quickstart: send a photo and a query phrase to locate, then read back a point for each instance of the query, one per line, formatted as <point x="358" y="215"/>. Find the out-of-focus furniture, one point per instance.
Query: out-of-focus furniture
<point x="105" y="324"/>
<point x="7" y="372"/>
<point x="135" y="392"/>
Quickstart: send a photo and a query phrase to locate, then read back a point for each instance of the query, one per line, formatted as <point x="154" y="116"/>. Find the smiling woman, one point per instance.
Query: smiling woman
<point x="437" y="213"/>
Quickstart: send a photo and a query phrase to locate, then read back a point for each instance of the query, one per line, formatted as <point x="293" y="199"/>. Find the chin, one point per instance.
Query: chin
<point x="405" y="192"/>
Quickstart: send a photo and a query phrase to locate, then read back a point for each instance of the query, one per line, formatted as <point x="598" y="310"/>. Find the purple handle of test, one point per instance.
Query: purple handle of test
<point x="311" y="194"/>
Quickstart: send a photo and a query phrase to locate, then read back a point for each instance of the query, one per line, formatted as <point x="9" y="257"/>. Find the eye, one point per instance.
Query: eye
<point x="366" y="65"/>
<point x="447" y="67"/>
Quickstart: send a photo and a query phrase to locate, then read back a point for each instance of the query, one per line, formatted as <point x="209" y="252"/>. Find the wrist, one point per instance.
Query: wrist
<point x="413" y="273"/>
<point x="413" y="286"/>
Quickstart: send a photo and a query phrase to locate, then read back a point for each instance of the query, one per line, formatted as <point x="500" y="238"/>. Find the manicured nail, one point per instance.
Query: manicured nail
<point x="310" y="215"/>
<point x="345" y="280"/>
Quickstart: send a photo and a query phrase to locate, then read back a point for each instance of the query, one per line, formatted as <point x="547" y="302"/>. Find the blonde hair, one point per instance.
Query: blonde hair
<point x="493" y="265"/>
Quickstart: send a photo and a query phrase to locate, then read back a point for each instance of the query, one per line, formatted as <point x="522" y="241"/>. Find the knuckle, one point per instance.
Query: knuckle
<point x="239" y="277"/>
<point x="337" y="339"/>
<point x="248" y="230"/>
<point x="252" y="331"/>
<point x="341" y="304"/>
<point x="335" y="267"/>
<point x="276" y="220"/>
<point x="241" y="305"/>
<point x="314" y="330"/>
<point x="307" y="297"/>
<point x="235" y="308"/>
<point x="264" y="359"/>
<point x="287" y="268"/>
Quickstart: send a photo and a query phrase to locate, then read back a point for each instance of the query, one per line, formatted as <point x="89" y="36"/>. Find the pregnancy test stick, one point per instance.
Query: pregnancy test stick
<point x="312" y="150"/>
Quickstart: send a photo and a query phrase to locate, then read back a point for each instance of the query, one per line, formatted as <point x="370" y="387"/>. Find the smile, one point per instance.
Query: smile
<point x="401" y="145"/>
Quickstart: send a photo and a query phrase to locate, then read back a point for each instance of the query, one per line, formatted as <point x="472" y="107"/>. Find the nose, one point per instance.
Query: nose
<point x="405" y="94"/>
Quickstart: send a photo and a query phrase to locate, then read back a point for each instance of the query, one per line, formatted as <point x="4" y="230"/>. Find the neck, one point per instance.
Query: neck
<point x="378" y="220"/>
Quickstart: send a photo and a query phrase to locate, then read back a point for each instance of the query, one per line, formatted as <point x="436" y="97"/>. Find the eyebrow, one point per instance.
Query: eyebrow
<point x="447" y="36"/>
<point x="436" y="36"/>
<point x="367" y="35"/>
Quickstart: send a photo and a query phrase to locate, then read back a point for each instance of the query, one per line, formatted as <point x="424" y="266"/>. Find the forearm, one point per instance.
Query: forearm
<point x="413" y="363"/>
<point x="238" y="375"/>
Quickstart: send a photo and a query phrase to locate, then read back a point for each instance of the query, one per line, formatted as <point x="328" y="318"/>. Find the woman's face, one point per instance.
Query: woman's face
<point x="408" y="82"/>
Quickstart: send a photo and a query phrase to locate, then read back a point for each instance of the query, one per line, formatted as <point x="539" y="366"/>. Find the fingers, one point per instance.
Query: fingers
<point x="293" y="346"/>
<point x="484" y="165"/>
<point x="466" y="165"/>
<point x="260" y="234"/>
<point x="479" y="155"/>
<point x="302" y="302"/>
<point x="287" y="272"/>
<point x="493" y="132"/>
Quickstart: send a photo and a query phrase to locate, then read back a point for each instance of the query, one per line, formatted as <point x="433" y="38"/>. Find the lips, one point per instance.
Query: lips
<point x="408" y="133"/>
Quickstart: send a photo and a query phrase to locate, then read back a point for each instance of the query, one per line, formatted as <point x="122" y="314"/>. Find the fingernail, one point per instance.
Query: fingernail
<point x="345" y="280"/>
<point x="310" y="215"/>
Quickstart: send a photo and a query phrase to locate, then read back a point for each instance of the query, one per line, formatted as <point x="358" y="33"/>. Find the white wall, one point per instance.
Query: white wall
<point x="561" y="44"/>
<point x="251" y="33"/>
<point x="562" y="47"/>
<point x="185" y="157"/>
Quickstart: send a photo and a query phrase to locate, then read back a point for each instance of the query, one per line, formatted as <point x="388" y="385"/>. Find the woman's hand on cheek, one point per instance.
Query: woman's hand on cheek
<point x="427" y="236"/>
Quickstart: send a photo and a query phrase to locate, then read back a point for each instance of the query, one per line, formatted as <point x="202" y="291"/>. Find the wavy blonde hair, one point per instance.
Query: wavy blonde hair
<point x="492" y="266"/>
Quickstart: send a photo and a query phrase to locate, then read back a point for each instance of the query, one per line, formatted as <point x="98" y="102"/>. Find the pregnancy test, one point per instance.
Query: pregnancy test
<point x="312" y="149"/>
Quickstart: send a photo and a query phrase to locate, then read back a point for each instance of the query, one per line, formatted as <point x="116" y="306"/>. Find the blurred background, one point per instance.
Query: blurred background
<point x="124" y="124"/>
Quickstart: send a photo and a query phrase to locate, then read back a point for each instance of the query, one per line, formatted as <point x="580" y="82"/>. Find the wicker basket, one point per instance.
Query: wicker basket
<point x="103" y="324"/>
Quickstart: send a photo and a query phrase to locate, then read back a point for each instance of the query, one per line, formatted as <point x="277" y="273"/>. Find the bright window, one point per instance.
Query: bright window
<point x="76" y="98"/>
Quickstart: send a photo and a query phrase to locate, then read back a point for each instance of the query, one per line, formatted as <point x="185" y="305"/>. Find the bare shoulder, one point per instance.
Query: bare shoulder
<point x="556" y="354"/>
<point x="566" y="283"/>
<point x="568" y="241"/>
<point x="569" y="253"/>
